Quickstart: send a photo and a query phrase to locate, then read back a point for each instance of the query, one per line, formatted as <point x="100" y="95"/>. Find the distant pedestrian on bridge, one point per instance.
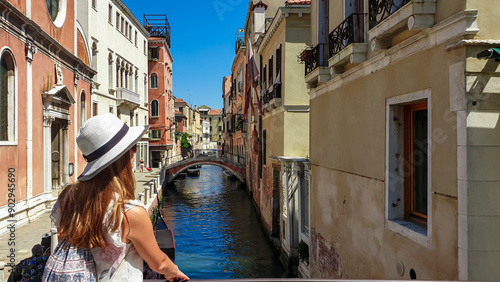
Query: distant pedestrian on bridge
<point x="99" y="212"/>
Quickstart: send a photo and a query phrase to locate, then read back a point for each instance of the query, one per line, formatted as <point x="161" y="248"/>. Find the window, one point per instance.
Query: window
<point x="130" y="32"/>
<point x="122" y="25"/>
<point x="53" y="8"/>
<point x="304" y="204"/>
<point x="155" y="134"/>
<point x="264" y="146"/>
<point x="144" y="47"/>
<point x="117" y="20"/>
<point x="270" y="71"/>
<point x="83" y="109"/>
<point x="94" y="4"/>
<point x="408" y="158"/>
<point x="135" y="39"/>
<point x="110" y="14"/>
<point x="95" y="108"/>
<point x="154" y="80"/>
<point x="7" y="97"/>
<point x="416" y="158"/>
<point x="126" y="29"/>
<point x="154" y="108"/>
<point x="153" y="53"/>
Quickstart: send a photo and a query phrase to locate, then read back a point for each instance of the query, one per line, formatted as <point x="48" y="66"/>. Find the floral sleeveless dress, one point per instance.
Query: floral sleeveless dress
<point x="118" y="261"/>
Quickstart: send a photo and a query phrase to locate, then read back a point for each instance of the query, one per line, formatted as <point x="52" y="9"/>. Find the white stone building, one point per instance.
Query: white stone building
<point x="118" y="52"/>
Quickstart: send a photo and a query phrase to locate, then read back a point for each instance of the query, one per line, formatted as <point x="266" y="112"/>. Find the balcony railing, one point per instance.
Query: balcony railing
<point x="315" y="57"/>
<point x="351" y="30"/>
<point x="128" y="97"/>
<point x="268" y="96"/>
<point x="381" y="9"/>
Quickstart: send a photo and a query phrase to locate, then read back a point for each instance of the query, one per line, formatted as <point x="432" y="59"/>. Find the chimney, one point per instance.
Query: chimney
<point x="259" y="18"/>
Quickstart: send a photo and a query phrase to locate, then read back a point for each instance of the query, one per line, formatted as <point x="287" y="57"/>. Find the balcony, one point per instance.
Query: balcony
<point x="127" y="98"/>
<point x="389" y="17"/>
<point x="316" y="61"/>
<point x="347" y="42"/>
<point x="271" y="99"/>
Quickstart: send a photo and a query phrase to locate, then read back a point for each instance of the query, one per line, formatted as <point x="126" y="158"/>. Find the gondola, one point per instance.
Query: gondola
<point x="163" y="234"/>
<point x="193" y="172"/>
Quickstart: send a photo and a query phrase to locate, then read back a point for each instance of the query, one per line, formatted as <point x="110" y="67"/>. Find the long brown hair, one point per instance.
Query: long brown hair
<point x="84" y="204"/>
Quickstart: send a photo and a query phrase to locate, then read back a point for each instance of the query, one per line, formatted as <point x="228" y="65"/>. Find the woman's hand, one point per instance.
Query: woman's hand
<point x="137" y="228"/>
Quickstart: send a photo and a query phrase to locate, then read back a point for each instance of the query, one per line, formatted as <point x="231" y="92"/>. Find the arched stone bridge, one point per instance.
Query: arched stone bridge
<point x="170" y="172"/>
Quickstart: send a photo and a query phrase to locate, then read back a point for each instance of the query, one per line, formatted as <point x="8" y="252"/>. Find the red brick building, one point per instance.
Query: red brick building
<point x="161" y="98"/>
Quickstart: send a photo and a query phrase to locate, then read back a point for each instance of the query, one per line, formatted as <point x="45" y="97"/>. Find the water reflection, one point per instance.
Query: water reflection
<point x="217" y="230"/>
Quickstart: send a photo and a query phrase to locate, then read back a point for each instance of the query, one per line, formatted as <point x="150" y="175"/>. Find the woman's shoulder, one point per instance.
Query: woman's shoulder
<point x="132" y="204"/>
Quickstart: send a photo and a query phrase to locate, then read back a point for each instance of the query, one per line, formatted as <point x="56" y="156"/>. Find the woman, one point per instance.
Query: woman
<point x="98" y="217"/>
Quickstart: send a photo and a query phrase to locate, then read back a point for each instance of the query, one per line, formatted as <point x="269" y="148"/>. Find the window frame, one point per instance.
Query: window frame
<point x="13" y="138"/>
<point x="155" y="105"/>
<point x="155" y="75"/>
<point x="110" y="14"/>
<point x="395" y="197"/>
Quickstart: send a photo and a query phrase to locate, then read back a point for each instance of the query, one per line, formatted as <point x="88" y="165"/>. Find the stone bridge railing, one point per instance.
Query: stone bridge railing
<point x="198" y="157"/>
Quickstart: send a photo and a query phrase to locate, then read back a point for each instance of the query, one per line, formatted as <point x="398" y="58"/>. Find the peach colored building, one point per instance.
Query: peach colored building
<point x="45" y="90"/>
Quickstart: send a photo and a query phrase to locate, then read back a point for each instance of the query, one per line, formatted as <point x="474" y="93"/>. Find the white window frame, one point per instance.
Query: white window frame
<point x="14" y="140"/>
<point x="394" y="184"/>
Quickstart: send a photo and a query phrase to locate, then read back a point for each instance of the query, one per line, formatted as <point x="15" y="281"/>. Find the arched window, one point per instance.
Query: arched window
<point x="154" y="80"/>
<point x="83" y="109"/>
<point x="7" y="97"/>
<point x="154" y="108"/>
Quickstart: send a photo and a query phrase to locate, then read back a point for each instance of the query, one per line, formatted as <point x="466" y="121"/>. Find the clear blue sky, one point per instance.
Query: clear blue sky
<point x="202" y="35"/>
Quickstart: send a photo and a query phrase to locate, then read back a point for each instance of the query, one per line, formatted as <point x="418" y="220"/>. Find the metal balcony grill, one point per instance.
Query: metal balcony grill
<point x="158" y="26"/>
<point x="351" y="30"/>
<point x="316" y="57"/>
<point x="381" y="9"/>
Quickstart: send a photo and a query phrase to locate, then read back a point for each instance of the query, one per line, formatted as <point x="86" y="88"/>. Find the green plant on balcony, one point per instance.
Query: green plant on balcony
<point x="184" y="140"/>
<point x="239" y="124"/>
<point x="303" y="251"/>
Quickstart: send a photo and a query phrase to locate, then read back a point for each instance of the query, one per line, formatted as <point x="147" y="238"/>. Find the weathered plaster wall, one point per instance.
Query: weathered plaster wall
<point x="348" y="142"/>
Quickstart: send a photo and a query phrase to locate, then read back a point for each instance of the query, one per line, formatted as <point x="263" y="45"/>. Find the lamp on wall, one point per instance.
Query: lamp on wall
<point x="493" y="53"/>
<point x="71" y="169"/>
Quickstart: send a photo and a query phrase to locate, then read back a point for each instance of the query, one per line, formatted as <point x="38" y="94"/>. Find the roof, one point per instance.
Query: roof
<point x="297" y="2"/>
<point x="179" y="101"/>
<point x="215" y="112"/>
<point x="178" y="113"/>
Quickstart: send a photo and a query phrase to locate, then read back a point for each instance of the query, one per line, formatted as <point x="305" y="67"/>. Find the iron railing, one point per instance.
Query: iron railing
<point x="268" y="96"/>
<point x="381" y="9"/>
<point x="315" y="57"/>
<point x="351" y="30"/>
<point x="158" y="26"/>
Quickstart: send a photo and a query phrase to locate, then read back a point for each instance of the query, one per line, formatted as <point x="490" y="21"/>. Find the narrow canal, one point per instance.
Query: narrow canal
<point x="217" y="231"/>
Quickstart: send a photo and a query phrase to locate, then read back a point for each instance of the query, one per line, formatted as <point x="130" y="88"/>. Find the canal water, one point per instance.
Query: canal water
<point x="217" y="231"/>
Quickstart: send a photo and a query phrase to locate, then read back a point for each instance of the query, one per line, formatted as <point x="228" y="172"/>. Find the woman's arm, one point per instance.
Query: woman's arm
<point x="139" y="230"/>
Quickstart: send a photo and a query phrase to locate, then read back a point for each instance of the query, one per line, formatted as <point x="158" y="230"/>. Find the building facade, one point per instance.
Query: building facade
<point x="45" y="93"/>
<point x="161" y="98"/>
<point x="404" y="139"/>
<point x="277" y="117"/>
<point x="118" y="52"/>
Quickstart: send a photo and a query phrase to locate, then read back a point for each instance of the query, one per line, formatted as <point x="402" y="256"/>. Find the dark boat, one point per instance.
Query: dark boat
<point x="193" y="172"/>
<point x="229" y="174"/>
<point x="164" y="235"/>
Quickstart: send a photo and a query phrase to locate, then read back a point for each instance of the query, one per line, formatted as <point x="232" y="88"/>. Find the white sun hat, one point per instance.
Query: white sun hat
<point x="103" y="139"/>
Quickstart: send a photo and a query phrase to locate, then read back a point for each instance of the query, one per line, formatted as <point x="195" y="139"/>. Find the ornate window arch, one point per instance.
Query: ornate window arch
<point x="154" y="108"/>
<point x="8" y="95"/>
